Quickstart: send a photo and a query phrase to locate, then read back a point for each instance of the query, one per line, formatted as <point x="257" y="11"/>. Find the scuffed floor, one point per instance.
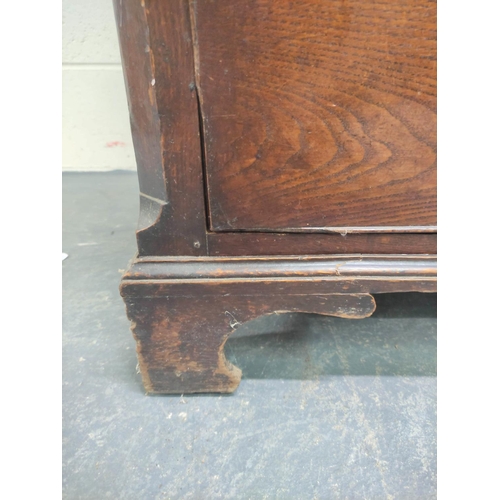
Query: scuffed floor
<point x="328" y="408"/>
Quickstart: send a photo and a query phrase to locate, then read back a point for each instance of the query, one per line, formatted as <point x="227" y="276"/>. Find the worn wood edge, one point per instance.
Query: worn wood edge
<point x="146" y="381"/>
<point x="224" y="367"/>
<point x="151" y="213"/>
<point x="342" y="305"/>
<point x="169" y="27"/>
<point x="163" y="109"/>
<point x="344" y="230"/>
<point x="138" y="71"/>
<point x="361" y="312"/>
<point x="265" y="243"/>
<point x="156" y="234"/>
<point x="258" y="286"/>
<point x="215" y="258"/>
<point x="299" y="267"/>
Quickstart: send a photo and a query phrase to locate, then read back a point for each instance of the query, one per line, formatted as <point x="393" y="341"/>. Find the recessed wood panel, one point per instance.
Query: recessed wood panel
<point x="318" y="113"/>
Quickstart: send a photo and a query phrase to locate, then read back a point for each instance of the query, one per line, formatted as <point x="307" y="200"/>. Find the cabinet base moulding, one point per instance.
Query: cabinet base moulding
<point x="183" y="309"/>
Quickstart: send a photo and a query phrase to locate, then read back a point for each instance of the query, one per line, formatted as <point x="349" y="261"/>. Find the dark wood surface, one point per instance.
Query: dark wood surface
<point x="273" y="128"/>
<point x="234" y="244"/>
<point x="157" y="55"/>
<point x="160" y="50"/>
<point x="160" y="268"/>
<point x="318" y="114"/>
<point x="132" y="25"/>
<point x="183" y="309"/>
<point x="319" y="244"/>
<point x="180" y="341"/>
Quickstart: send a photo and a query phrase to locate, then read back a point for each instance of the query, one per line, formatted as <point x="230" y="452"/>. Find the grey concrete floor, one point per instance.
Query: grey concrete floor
<point x="327" y="409"/>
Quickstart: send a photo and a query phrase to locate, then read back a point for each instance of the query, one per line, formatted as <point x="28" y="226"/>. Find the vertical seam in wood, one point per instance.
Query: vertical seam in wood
<point x="199" y="101"/>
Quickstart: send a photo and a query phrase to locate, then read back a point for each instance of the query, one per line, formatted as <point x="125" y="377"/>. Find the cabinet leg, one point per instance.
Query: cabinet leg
<point x="180" y="345"/>
<point x="183" y="309"/>
<point x="180" y="339"/>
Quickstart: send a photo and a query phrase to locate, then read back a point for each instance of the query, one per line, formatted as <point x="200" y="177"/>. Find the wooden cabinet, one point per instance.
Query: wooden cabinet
<point x="287" y="162"/>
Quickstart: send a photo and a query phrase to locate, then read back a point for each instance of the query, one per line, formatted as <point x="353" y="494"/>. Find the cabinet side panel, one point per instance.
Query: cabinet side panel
<point x="144" y="120"/>
<point x="157" y="52"/>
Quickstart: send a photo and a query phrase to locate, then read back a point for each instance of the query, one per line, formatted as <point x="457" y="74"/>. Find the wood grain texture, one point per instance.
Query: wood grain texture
<point x="174" y="268"/>
<point x="157" y="55"/>
<point x="319" y="244"/>
<point x="318" y="113"/>
<point x="180" y="340"/>
<point x="131" y="21"/>
<point x="315" y="116"/>
<point x="183" y="309"/>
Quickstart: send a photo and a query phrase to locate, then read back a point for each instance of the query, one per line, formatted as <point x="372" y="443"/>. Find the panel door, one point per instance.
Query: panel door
<point x="317" y="114"/>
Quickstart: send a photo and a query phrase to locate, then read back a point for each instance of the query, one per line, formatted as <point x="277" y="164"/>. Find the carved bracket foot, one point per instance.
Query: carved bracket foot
<point x="182" y="312"/>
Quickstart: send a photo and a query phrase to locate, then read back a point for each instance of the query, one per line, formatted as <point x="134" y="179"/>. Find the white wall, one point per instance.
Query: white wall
<point x="96" y="130"/>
